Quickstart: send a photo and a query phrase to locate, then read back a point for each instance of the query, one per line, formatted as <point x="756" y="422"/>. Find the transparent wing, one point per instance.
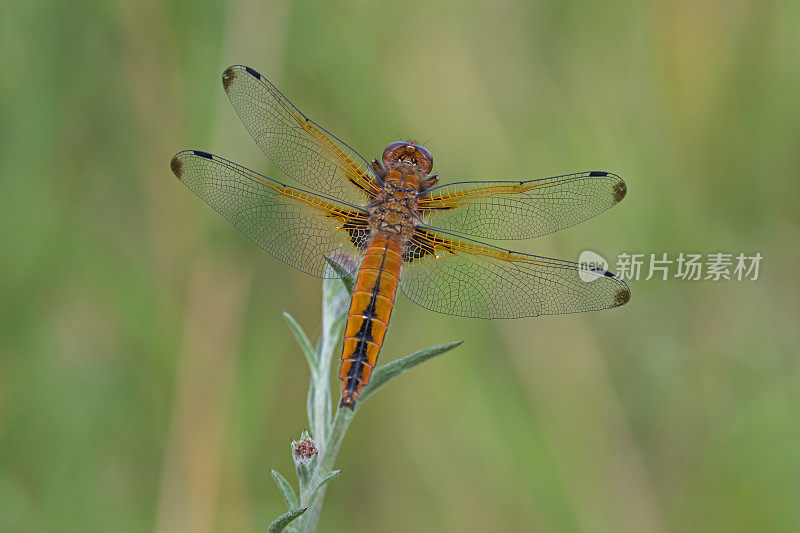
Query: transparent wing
<point x="298" y="227"/>
<point x="520" y="209"/>
<point x="298" y="146"/>
<point x="466" y="278"/>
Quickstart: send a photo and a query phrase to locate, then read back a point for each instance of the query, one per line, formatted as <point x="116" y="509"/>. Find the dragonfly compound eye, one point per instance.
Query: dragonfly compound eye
<point x="408" y="152"/>
<point x="427" y="164"/>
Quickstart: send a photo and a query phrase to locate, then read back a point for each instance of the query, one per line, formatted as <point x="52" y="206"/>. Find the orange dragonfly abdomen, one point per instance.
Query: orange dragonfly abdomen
<point x="370" y="309"/>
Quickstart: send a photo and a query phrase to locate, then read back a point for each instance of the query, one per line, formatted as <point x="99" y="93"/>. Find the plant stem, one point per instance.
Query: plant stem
<point x="326" y="463"/>
<point x="327" y="435"/>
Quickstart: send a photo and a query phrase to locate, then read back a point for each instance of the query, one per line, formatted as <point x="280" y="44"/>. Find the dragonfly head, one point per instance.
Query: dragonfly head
<point x="408" y="153"/>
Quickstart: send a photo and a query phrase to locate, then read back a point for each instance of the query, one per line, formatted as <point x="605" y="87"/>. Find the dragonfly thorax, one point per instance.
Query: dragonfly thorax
<point x="394" y="209"/>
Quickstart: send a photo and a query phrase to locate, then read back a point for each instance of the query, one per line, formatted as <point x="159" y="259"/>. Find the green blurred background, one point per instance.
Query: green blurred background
<point x="148" y="381"/>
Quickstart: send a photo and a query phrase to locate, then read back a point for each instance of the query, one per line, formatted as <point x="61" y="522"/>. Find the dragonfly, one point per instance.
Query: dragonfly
<point x="395" y="226"/>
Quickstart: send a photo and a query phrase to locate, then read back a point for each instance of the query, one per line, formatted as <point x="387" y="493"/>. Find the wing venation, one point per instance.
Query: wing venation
<point x="520" y="209"/>
<point x="297" y="227"/>
<point x="462" y="277"/>
<point x="298" y="146"/>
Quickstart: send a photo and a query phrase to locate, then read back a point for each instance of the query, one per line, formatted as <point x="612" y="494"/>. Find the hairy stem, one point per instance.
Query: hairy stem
<point x="315" y="455"/>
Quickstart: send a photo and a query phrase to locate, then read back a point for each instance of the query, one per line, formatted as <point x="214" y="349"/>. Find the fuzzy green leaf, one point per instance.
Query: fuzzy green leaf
<point x="347" y="277"/>
<point x="289" y="496"/>
<point x="283" y="520"/>
<point x="327" y="477"/>
<point x="384" y="373"/>
<point x="302" y="339"/>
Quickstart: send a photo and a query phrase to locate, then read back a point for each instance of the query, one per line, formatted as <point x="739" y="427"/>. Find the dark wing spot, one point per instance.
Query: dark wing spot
<point x="597" y="173"/>
<point x="415" y="251"/>
<point x="620" y="190"/>
<point x="609" y="274"/>
<point x="203" y="154"/>
<point x="417" y="248"/>
<point x="442" y="208"/>
<point x="359" y="234"/>
<point x="622" y="297"/>
<point x="367" y="191"/>
<point x="227" y="77"/>
<point x="253" y="73"/>
<point x="176" y="165"/>
<point x="420" y="245"/>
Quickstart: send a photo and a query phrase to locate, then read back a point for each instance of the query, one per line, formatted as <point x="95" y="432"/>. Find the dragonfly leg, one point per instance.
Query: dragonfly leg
<point x="379" y="170"/>
<point x="433" y="180"/>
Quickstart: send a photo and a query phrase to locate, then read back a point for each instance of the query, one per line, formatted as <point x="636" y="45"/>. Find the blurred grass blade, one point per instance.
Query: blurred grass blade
<point x="384" y="373"/>
<point x="289" y="496"/>
<point x="283" y="520"/>
<point x="347" y="277"/>
<point x="302" y="339"/>
<point x="329" y="476"/>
